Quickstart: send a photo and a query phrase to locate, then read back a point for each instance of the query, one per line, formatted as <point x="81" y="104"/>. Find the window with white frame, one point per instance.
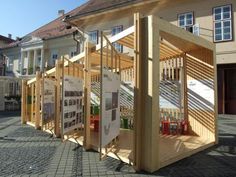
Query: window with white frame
<point x="93" y="37"/>
<point x="116" y="30"/>
<point x="222" y="23"/>
<point x="185" y="19"/>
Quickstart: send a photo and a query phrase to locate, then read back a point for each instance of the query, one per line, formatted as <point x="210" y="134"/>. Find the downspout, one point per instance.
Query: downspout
<point x="79" y="31"/>
<point x="77" y="42"/>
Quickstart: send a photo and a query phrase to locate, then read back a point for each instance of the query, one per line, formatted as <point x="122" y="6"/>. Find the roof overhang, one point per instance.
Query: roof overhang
<point x="106" y="11"/>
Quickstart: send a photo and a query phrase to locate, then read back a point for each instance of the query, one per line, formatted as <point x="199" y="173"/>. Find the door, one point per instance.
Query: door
<point x="230" y="91"/>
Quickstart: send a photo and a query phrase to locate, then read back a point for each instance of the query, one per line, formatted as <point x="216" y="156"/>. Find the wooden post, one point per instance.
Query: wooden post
<point x="87" y="97"/>
<point x="62" y="96"/>
<point x="37" y="101"/>
<point x="185" y="87"/>
<point x="58" y="99"/>
<point x="23" y="102"/>
<point x="101" y="87"/>
<point x="146" y="106"/>
<point x="137" y="93"/>
<point x="32" y="119"/>
<point x="42" y="99"/>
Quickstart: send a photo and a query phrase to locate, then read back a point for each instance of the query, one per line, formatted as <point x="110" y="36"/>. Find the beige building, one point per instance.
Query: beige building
<point x="213" y="20"/>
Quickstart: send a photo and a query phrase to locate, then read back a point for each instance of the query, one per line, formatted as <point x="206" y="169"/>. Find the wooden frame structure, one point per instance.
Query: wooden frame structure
<point x="161" y="50"/>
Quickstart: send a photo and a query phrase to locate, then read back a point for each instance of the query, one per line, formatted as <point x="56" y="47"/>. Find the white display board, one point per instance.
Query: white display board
<point x="72" y="103"/>
<point x="200" y="95"/>
<point x="110" y="122"/>
<point x="48" y="100"/>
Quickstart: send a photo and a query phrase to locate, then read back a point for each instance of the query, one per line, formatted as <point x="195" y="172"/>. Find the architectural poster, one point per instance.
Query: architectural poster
<point x="72" y="103"/>
<point x="110" y="121"/>
<point x="49" y="100"/>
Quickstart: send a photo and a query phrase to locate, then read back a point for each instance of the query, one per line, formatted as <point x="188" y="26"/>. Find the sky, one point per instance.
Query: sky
<point x="20" y="17"/>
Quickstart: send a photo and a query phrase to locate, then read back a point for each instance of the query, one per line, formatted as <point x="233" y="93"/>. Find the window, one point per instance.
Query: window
<point x="116" y="30"/>
<point x="185" y="20"/>
<point x="93" y="37"/>
<point x="54" y="57"/>
<point x="222" y="23"/>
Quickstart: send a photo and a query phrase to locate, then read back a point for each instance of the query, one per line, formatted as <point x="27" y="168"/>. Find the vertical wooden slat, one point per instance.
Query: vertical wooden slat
<point x="58" y="99"/>
<point x="87" y="96"/>
<point x="101" y="98"/>
<point x="185" y="87"/>
<point x="23" y="102"/>
<point x="37" y="101"/>
<point x="32" y="104"/>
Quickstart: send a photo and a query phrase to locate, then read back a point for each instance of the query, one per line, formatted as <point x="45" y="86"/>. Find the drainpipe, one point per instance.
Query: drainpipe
<point x="77" y="42"/>
<point x="79" y="31"/>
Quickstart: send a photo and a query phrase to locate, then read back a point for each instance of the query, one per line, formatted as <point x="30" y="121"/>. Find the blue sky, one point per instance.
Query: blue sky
<point x="20" y="17"/>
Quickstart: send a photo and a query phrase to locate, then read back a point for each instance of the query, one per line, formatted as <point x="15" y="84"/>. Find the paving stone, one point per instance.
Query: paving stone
<point x="25" y="151"/>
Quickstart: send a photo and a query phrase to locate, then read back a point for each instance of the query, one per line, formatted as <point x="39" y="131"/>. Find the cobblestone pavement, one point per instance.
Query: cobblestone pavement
<point x="25" y="151"/>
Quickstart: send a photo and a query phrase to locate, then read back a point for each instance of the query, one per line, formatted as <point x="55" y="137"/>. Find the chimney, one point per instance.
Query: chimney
<point x="9" y="36"/>
<point x="61" y="13"/>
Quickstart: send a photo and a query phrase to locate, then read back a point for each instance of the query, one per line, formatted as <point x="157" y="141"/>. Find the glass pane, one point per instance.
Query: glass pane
<point x="217" y="10"/>
<point x="189" y="22"/>
<point x="113" y="31"/>
<point x="227" y="24"/>
<point x="218" y="37"/>
<point x="227" y="36"/>
<point x="226" y="30"/>
<point x="226" y="15"/>
<point x="181" y="17"/>
<point x="181" y="23"/>
<point x="218" y="25"/>
<point x="189" y="16"/>
<point x="218" y="17"/>
<point x="218" y="31"/>
<point x="226" y="9"/>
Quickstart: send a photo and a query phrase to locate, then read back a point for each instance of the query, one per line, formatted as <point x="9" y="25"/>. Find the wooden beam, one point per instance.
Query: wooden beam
<point x="168" y="31"/>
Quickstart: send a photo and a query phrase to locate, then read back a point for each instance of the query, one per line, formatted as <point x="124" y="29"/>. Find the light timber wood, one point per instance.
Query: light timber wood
<point x="37" y="101"/>
<point x="137" y="92"/>
<point x="87" y="94"/>
<point x="58" y="98"/>
<point x="23" y="102"/>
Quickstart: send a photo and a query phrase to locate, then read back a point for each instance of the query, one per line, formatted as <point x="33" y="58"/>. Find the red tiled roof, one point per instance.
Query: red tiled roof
<point x="6" y="39"/>
<point x="55" y="28"/>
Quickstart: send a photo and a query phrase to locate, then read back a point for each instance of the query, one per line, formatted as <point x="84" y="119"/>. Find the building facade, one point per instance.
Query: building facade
<point x="213" y="20"/>
<point x="4" y="41"/>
